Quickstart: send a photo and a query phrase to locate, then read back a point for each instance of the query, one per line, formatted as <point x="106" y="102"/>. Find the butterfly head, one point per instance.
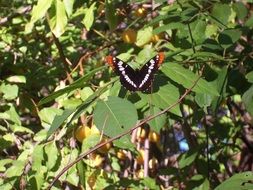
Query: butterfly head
<point x="109" y="61"/>
<point x="161" y="58"/>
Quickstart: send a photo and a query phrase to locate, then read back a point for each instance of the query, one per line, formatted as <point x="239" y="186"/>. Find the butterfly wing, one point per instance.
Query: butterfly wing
<point x="128" y="76"/>
<point x="146" y="74"/>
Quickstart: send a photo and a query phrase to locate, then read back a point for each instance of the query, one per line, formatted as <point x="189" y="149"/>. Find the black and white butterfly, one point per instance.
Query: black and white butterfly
<point x="136" y="80"/>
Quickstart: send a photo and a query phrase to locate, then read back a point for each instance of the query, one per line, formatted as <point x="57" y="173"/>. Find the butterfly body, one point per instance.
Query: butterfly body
<point x="136" y="80"/>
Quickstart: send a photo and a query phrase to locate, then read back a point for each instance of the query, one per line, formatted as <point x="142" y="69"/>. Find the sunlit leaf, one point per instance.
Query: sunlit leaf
<point x="10" y="91"/>
<point x="220" y="14"/>
<point x="16" y="169"/>
<point x="69" y="6"/>
<point x="187" y="78"/>
<point x="114" y="116"/>
<point x="77" y="84"/>
<point x="249" y="77"/>
<point x="238" y="181"/>
<point x="59" y="22"/>
<point x="157" y="123"/>
<point x="144" y="36"/>
<point x="58" y="120"/>
<point x="40" y="9"/>
<point x="52" y="154"/>
<point x="247" y="99"/>
<point x="89" y="16"/>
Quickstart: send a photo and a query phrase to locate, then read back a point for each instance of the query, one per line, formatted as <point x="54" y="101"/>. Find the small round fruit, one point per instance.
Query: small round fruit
<point x="156" y="37"/>
<point x="140" y="157"/>
<point x="140" y="12"/>
<point x="140" y="173"/>
<point x="96" y="160"/>
<point x="153" y="136"/>
<point x="141" y="134"/>
<point x="92" y="181"/>
<point x="153" y="163"/>
<point x="129" y="36"/>
<point x="105" y="148"/>
<point x="121" y="155"/>
<point x="82" y="132"/>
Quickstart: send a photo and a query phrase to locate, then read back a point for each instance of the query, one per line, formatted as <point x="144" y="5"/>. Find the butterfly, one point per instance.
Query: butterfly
<point x="139" y="79"/>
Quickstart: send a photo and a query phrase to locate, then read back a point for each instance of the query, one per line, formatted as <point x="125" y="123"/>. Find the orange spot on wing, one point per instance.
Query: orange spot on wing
<point x="161" y="58"/>
<point x="109" y="61"/>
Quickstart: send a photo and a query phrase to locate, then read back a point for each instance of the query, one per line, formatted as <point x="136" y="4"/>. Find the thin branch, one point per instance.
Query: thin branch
<point x="193" y="43"/>
<point x="143" y="121"/>
<point x="64" y="59"/>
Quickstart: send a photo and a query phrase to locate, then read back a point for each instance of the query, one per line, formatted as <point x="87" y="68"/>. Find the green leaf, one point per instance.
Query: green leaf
<point x="89" y="101"/>
<point x="16" y="169"/>
<point x="198" y="182"/>
<point x="240" y="9"/>
<point x="249" y="22"/>
<point x="159" y="18"/>
<point x="19" y="129"/>
<point x="144" y="36"/>
<point x="203" y="100"/>
<point x="249" y="76"/>
<point x="11" y="115"/>
<point x="10" y="91"/>
<point x="90" y="141"/>
<point x="198" y="31"/>
<point x="115" y="164"/>
<point x="167" y="95"/>
<point x="77" y="84"/>
<point x="124" y="143"/>
<point x="58" y="120"/>
<point x="207" y="55"/>
<point x="6" y="141"/>
<point x="110" y="14"/>
<point x="47" y="115"/>
<point x="85" y="93"/>
<point x="4" y="162"/>
<point x="157" y="123"/>
<point x="40" y="136"/>
<point x="17" y="79"/>
<point x="59" y="22"/>
<point x="114" y="116"/>
<point x="40" y="9"/>
<point x="14" y="115"/>
<point x="69" y="6"/>
<point x="37" y="157"/>
<point x="38" y="179"/>
<point x="187" y="78"/>
<point x="238" y="181"/>
<point x="221" y="13"/>
<point x="188" y="13"/>
<point x="228" y="37"/>
<point x="187" y="158"/>
<point x="211" y="30"/>
<point x="52" y="155"/>
<point x="170" y="26"/>
<point x="89" y="16"/>
<point x="150" y="183"/>
<point x="221" y="85"/>
<point x="247" y="99"/>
